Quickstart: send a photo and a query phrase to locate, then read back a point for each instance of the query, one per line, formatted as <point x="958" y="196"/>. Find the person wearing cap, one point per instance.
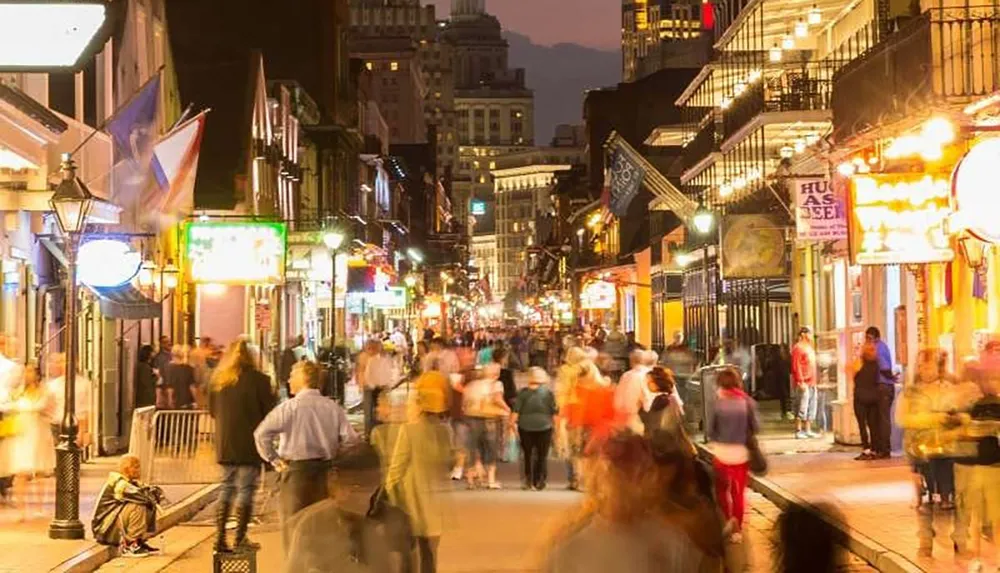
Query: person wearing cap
<point x="804" y="380"/>
<point x="414" y="479"/>
<point x="534" y="410"/>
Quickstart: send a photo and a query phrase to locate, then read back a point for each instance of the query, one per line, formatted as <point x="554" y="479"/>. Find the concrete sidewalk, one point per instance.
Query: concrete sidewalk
<point x="35" y="552"/>
<point x="875" y="501"/>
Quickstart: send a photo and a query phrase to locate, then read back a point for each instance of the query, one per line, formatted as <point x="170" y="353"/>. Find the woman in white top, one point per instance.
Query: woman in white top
<point x="32" y="451"/>
<point x="485" y="409"/>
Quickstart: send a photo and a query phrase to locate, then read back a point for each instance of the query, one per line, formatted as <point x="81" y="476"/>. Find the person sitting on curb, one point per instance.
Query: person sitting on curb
<point x="125" y="512"/>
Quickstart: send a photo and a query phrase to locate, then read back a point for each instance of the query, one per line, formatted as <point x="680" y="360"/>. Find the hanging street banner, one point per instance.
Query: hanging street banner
<point x="820" y="209"/>
<point x="753" y="247"/>
<point x="626" y="178"/>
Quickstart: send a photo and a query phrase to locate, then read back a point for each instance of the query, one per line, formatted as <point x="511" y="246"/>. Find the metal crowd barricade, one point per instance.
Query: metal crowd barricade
<point x="175" y="446"/>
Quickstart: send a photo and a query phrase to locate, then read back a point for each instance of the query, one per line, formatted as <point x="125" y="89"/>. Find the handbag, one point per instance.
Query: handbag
<point x="757" y="461"/>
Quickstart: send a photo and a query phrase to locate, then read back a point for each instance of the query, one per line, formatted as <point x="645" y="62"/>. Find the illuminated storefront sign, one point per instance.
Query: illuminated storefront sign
<point x="391" y="298"/>
<point x="236" y="253"/>
<point x="106" y="263"/>
<point x="477" y="207"/>
<point x="598" y="295"/>
<point x="899" y="219"/>
<point x="974" y="192"/>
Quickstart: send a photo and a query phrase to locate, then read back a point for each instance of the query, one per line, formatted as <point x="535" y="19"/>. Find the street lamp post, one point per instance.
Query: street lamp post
<point x="334" y="240"/>
<point x="72" y="202"/>
<point x="704" y="221"/>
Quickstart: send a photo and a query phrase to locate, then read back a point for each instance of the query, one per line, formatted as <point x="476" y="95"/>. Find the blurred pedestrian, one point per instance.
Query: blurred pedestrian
<point x="639" y="514"/>
<point x="311" y="431"/>
<point x="372" y="348"/>
<point x="145" y="378"/>
<point x="501" y="356"/>
<point x="629" y="392"/>
<point x="413" y="479"/>
<point x="866" y="400"/>
<point x="32" y="451"/>
<point x="484" y="410"/>
<point x="240" y="398"/>
<point x="381" y="375"/>
<point x="179" y="379"/>
<point x="808" y="542"/>
<point x="886" y="392"/>
<point x="534" y="412"/>
<point x="804" y="378"/>
<point x="734" y="423"/>
<point x="164" y="354"/>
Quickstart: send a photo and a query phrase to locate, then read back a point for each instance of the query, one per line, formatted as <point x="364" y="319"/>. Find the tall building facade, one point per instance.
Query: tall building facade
<point x="494" y="110"/>
<point x="660" y="34"/>
<point x="397" y="84"/>
<point x="373" y="19"/>
<point x="523" y="184"/>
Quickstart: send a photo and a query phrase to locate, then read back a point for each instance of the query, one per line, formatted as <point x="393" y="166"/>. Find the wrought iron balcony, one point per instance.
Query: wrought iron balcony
<point x="945" y="56"/>
<point x="705" y="142"/>
<point x="805" y="88"/>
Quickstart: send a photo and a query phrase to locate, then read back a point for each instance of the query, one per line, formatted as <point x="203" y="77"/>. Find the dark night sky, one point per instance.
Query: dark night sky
<point x="592" y="23"/>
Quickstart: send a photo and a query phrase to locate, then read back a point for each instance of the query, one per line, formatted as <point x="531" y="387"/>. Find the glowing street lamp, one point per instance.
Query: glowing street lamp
<point x="334" y="239"/>
<point x="703" y="220"/>
<point x="51" y="35"/>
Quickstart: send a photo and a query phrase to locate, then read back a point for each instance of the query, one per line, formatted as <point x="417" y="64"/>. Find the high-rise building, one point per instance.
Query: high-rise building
<point x="373" y="19"/>
<point x="660" y="34"/>
<point x="494" y="110"/>
<point x="398" y="84"/>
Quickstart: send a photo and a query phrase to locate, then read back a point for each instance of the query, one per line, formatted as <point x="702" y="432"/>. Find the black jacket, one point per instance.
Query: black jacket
<point x="866" y="383"/>
<point x="238" y="409"/>
<point x="145" y="385"/>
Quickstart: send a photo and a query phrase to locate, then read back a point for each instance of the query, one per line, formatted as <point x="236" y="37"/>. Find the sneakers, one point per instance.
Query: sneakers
<point x="812" y="434"/>
<point x="494" y="485"/>
<point x="800" y="435"/>
<point x="136" y="549"/>
<point x="456" y="474"/>
<point x="865" y="456"/>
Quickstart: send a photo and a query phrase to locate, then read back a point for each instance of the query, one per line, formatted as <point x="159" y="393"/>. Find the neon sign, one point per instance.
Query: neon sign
<point x="598" y="295"/>
<point x="236" y="253"/>
<point x="106" y="263"/>
<point x="974" y="191"/>
<point x="900" y="220"/>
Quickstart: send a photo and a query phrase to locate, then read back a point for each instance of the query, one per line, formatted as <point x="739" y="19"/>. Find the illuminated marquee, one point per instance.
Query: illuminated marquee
<point x="106" y="263"/>
<point x="236" y="253"/>
<point x="900" y="219"/>
<point x="974" y="192"/>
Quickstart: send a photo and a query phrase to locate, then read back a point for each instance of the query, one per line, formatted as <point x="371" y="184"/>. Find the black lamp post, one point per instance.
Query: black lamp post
<point x="334" y="240"/>
<point x="72" y="202"/>
<point x="704" y="221"/>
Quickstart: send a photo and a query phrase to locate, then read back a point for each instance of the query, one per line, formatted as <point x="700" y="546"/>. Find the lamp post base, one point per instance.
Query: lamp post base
<point x="66" y="524"/>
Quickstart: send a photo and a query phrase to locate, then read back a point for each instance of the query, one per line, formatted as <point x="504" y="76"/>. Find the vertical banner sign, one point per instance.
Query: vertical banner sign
<point x="820" y="209"/>
<point x="626" y="177"/>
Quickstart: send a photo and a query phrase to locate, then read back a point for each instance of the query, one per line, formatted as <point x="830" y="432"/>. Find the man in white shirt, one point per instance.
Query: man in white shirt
<point x="311" y="430"/>
<point x="381" y="373"/>
<point x="629" y="393"/>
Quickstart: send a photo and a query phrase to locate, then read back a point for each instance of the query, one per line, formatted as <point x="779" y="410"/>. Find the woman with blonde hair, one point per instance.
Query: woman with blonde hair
<point x="239" y="399"/>
<point x="640" y="513"/>
<point x="32" y="452"/>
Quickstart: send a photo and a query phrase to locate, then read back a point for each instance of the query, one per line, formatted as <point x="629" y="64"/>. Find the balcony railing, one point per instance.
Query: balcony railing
<point x="944" y="56"/>
<point x="704" y="143"/>
<point x="802" y="89"/>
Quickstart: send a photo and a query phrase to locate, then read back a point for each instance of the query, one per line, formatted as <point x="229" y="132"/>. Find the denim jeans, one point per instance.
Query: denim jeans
<point x="239" y="482"/>
<point x="808" y="397"/>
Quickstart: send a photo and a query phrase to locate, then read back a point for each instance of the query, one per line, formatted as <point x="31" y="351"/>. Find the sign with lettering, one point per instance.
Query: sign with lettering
<point x="900" y="219"/>
<point x="236" y="252"/>
<point x="820" y="209"/>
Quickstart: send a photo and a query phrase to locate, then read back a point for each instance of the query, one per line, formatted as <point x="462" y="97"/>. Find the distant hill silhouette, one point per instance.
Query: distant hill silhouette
<point x="559" y="75"/>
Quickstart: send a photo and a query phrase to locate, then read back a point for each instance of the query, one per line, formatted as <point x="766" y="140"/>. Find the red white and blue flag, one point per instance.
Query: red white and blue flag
<point x="175" y="168"/>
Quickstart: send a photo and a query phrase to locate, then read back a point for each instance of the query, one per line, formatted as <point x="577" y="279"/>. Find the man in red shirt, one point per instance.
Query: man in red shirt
<point x="804" y="382"/>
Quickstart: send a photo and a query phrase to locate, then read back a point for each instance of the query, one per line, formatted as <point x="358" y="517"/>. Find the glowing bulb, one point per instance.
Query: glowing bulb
<point x="786" y="152"/>
<point x="939" y="130"/>
<point x="774" y="54"/>
<point x="754" y="75"/>
<point x="799" y="145"/>
<point x="787" y="42"/>
<point x="739" y="182"/>
<point x="846" y="169"/>
<point x="931" y="152"/>
<point x="739" y="88"/>
<point x="815" y="16"/>
<point x="811" y="139"/>
<point x="725" y="190"/>
<point x="801" y="29"/>
<point x="726" y="102"/>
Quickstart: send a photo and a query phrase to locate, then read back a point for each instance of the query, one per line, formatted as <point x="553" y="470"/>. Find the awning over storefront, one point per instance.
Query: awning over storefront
<point x="126" y="303"/>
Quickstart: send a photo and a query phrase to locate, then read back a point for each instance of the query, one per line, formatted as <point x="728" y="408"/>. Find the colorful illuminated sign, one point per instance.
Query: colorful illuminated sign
<point x="477" y="207"/>
<point x="106" y="263"/>
<point x="900" y="219"/>
<point x="391" y="298"/>
<point x="974" y="192"/>
<point x="236" y="253"/>
<point x="820" y="210"/>
<point x="598" y="295"/>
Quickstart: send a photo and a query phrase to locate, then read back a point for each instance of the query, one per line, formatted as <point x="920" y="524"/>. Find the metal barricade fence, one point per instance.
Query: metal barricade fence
<point x="175" y="446"/>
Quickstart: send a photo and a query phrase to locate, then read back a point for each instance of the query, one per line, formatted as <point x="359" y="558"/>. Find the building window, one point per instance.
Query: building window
<point x="437" y="95"/>
<point x="369" y="66"/>
<point x="394" y="66"/>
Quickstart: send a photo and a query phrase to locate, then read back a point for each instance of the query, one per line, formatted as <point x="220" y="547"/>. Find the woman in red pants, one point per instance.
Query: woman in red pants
<point x="735" y="420"/>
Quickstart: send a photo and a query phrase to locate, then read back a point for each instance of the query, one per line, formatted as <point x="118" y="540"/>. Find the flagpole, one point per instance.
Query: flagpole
<point x="118" y="110"/>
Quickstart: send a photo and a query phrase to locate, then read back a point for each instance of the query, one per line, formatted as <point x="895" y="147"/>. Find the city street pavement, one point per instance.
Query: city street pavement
<point x="35" y="552"/>
<point x="488" y="532"/>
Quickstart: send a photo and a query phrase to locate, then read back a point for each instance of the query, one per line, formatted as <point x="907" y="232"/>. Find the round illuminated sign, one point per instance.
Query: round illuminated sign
<point x="106" y="263"/>
<point x="974" y="191"/>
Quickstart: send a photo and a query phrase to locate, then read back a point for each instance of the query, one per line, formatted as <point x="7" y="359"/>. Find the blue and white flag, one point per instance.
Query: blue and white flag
<point x="133" y="131"/>
<point x="626" y="178"/>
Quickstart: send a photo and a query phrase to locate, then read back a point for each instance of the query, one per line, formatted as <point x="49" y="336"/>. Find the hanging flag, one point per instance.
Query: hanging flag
<point x="626" y="177"/>
<point x="980" y="281"/>
<point x="175" y="168"/>
<point x="133" y="133"/>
